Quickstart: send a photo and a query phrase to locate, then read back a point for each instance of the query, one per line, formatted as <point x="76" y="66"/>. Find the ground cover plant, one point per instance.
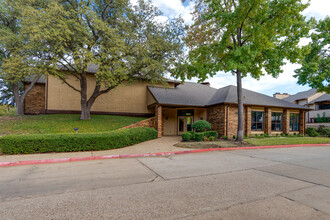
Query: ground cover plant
<point x="63" y="123"/>
<point x="44" y="143"/>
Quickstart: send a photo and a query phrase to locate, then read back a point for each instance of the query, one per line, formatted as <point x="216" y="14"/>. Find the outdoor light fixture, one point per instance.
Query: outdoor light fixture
<point x="76" y="129"/>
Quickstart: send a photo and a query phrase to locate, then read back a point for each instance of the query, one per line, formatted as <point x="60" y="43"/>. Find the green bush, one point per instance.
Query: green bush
<point x="211" y="134"/>
<point x="201" y="125"/>
<point x="225" y="137"/>
<point x="41" y="143"/>
<point x="193" y="135"/>
<point x="211" y="138"/>
<point x="300" y="135"/>
<point x="186" y="136"/>
<point x="234" y="137"/>
<point x="312" y="132"/>
<point x="199" y="136"/>
<point x="324" y="131"/>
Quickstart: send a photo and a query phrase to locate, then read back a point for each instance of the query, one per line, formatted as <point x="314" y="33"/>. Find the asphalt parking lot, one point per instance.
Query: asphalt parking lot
<point x="285" y="183"/>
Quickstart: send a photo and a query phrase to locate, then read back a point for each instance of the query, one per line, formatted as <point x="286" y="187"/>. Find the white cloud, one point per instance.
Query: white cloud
<point x="318" y="9"/>
<point x="174" y="8"/>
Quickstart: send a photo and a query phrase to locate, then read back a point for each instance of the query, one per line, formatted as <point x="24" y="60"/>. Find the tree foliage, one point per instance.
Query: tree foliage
<point x="16" y="64"/>
<point x="315" y="70"/>
<point x="124" y="41"/>
<point x="243" y="37"/>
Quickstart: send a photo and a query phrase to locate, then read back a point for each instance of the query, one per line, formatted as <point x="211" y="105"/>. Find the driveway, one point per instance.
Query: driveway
<point x="285" y="183"/>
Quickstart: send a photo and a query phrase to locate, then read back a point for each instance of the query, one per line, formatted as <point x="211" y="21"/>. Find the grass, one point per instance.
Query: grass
<point x="63" y="123"/>
<point x="6" y="110"/>
<point x="288" y="140"/>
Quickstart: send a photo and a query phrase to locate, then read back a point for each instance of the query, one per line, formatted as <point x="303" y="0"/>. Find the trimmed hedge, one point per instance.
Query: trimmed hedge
<point x="201" y="125"/>
<point x="186" y="136"/>
<point x="199" y="136"/>
<point x="39" y="143"/>
<point x="211" y="134"/>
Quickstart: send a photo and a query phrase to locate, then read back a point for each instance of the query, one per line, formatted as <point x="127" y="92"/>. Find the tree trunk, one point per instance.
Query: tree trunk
<point x="85" y="109"/>
<point x="18" y="100"/>
<point x="240" y="107"/>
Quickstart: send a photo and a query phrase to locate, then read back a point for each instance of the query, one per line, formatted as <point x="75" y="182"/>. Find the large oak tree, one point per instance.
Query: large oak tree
<point x="243" y="37"/>
<point x="126" y="42"/>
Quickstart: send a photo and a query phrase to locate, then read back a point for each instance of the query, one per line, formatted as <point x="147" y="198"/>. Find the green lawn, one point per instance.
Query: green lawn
<point x="287" y="140"/>
<point x="62" y="123"/>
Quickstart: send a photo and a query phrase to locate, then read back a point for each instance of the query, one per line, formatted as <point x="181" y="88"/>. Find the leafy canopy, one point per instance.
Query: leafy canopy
<point x="17" y="57"/>
<point x="251" y="36"/>
<point x="315" y="70"/>
<point x="124" y="41"/>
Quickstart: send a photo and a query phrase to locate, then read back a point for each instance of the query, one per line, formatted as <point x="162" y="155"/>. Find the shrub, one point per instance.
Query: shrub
<point x="300" y="135"/>
<point x="186" y="136"/>
<point x="225" y="137"/>
<point x="324" y="131"/>
<point x="199" y="136"/>
<point x="234" y="137"/>
<point x="282" y="134"/>
<point x="311" y="132"/>
<point x="261" y="135"/>
<point x="193" y="135"/>
<point x="211" y="133"/>
<point x="267" y="135"/>
<point x="256" y="135"/>
<point x="286" y="135"/>
<point x="41" y="143"/>
<point x="211" y="138"/>
<point x="205" y="138"/>
<point x="201" y="125"/>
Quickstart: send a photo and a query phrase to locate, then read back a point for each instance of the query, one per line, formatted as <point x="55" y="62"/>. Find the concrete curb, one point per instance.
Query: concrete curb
<point x="73" y="159"/>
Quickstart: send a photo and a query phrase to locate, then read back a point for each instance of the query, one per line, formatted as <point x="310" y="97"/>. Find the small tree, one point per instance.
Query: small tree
<point x="243" y="37"/>
<point x="125" y="42"/>
<point x="15" y="65"/>
<point x="315" y="70"/>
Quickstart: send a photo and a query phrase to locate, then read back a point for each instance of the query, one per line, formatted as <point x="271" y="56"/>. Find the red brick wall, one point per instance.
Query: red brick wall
<point x="150" y="122"/>
<point x="35" y="100"/>
<point x="216" y="115"/>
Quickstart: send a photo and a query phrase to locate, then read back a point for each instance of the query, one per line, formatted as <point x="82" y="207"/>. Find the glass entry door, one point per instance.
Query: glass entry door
<point x="184" y="124"/>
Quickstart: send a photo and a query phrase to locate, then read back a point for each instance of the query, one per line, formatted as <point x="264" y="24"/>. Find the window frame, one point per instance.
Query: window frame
<point x="276" y="121"/>
<point x="294" y="121"/>
<point x="256" y="121"/>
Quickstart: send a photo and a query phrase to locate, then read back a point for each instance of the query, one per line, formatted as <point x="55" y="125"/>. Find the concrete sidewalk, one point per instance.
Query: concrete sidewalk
<point x="163" y="144"/>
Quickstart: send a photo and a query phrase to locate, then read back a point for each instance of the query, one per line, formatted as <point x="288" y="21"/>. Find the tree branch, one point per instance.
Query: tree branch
<point x="28" y="89"/>
<point x="72" y="87"/>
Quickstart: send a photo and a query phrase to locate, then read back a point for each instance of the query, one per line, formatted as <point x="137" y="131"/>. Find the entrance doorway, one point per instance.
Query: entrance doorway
<point x="185" y="120"/>
<point x="184" y="124"/>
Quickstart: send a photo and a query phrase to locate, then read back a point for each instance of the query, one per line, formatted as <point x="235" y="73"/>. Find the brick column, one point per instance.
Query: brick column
<point x="286" y="121"/>
<point x="268" y="121"/>
<point x="302" y="122"/>
<point x="248" y="121"/>
<point x="159" y="116"/>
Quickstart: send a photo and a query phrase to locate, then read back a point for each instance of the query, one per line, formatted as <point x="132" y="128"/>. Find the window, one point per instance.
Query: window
<point x="294" y="122"/>
<point x="257" y="121"/>
<point x="185" y="112"/>
<point x="324" y="106"/>
<point x="277" y="121"/>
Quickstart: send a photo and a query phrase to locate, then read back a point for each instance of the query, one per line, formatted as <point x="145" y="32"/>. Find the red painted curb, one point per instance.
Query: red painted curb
<point x="73" y="159"/>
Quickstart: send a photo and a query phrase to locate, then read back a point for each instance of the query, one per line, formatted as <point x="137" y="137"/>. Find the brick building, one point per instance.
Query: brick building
<point x="174" y="107"/>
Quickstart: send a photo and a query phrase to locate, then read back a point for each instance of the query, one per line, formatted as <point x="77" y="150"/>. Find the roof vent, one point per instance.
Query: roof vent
<point x="205" y="83"/>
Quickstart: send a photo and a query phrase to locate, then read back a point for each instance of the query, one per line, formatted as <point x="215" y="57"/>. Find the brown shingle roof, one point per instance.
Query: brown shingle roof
<point x="195" y="94"/>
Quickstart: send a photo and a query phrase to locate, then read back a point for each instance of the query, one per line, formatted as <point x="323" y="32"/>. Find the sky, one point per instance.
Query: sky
<point x="268" y="85"/>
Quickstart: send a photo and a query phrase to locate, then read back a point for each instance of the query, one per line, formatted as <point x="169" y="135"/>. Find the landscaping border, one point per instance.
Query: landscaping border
<point x="73" y="159"/>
